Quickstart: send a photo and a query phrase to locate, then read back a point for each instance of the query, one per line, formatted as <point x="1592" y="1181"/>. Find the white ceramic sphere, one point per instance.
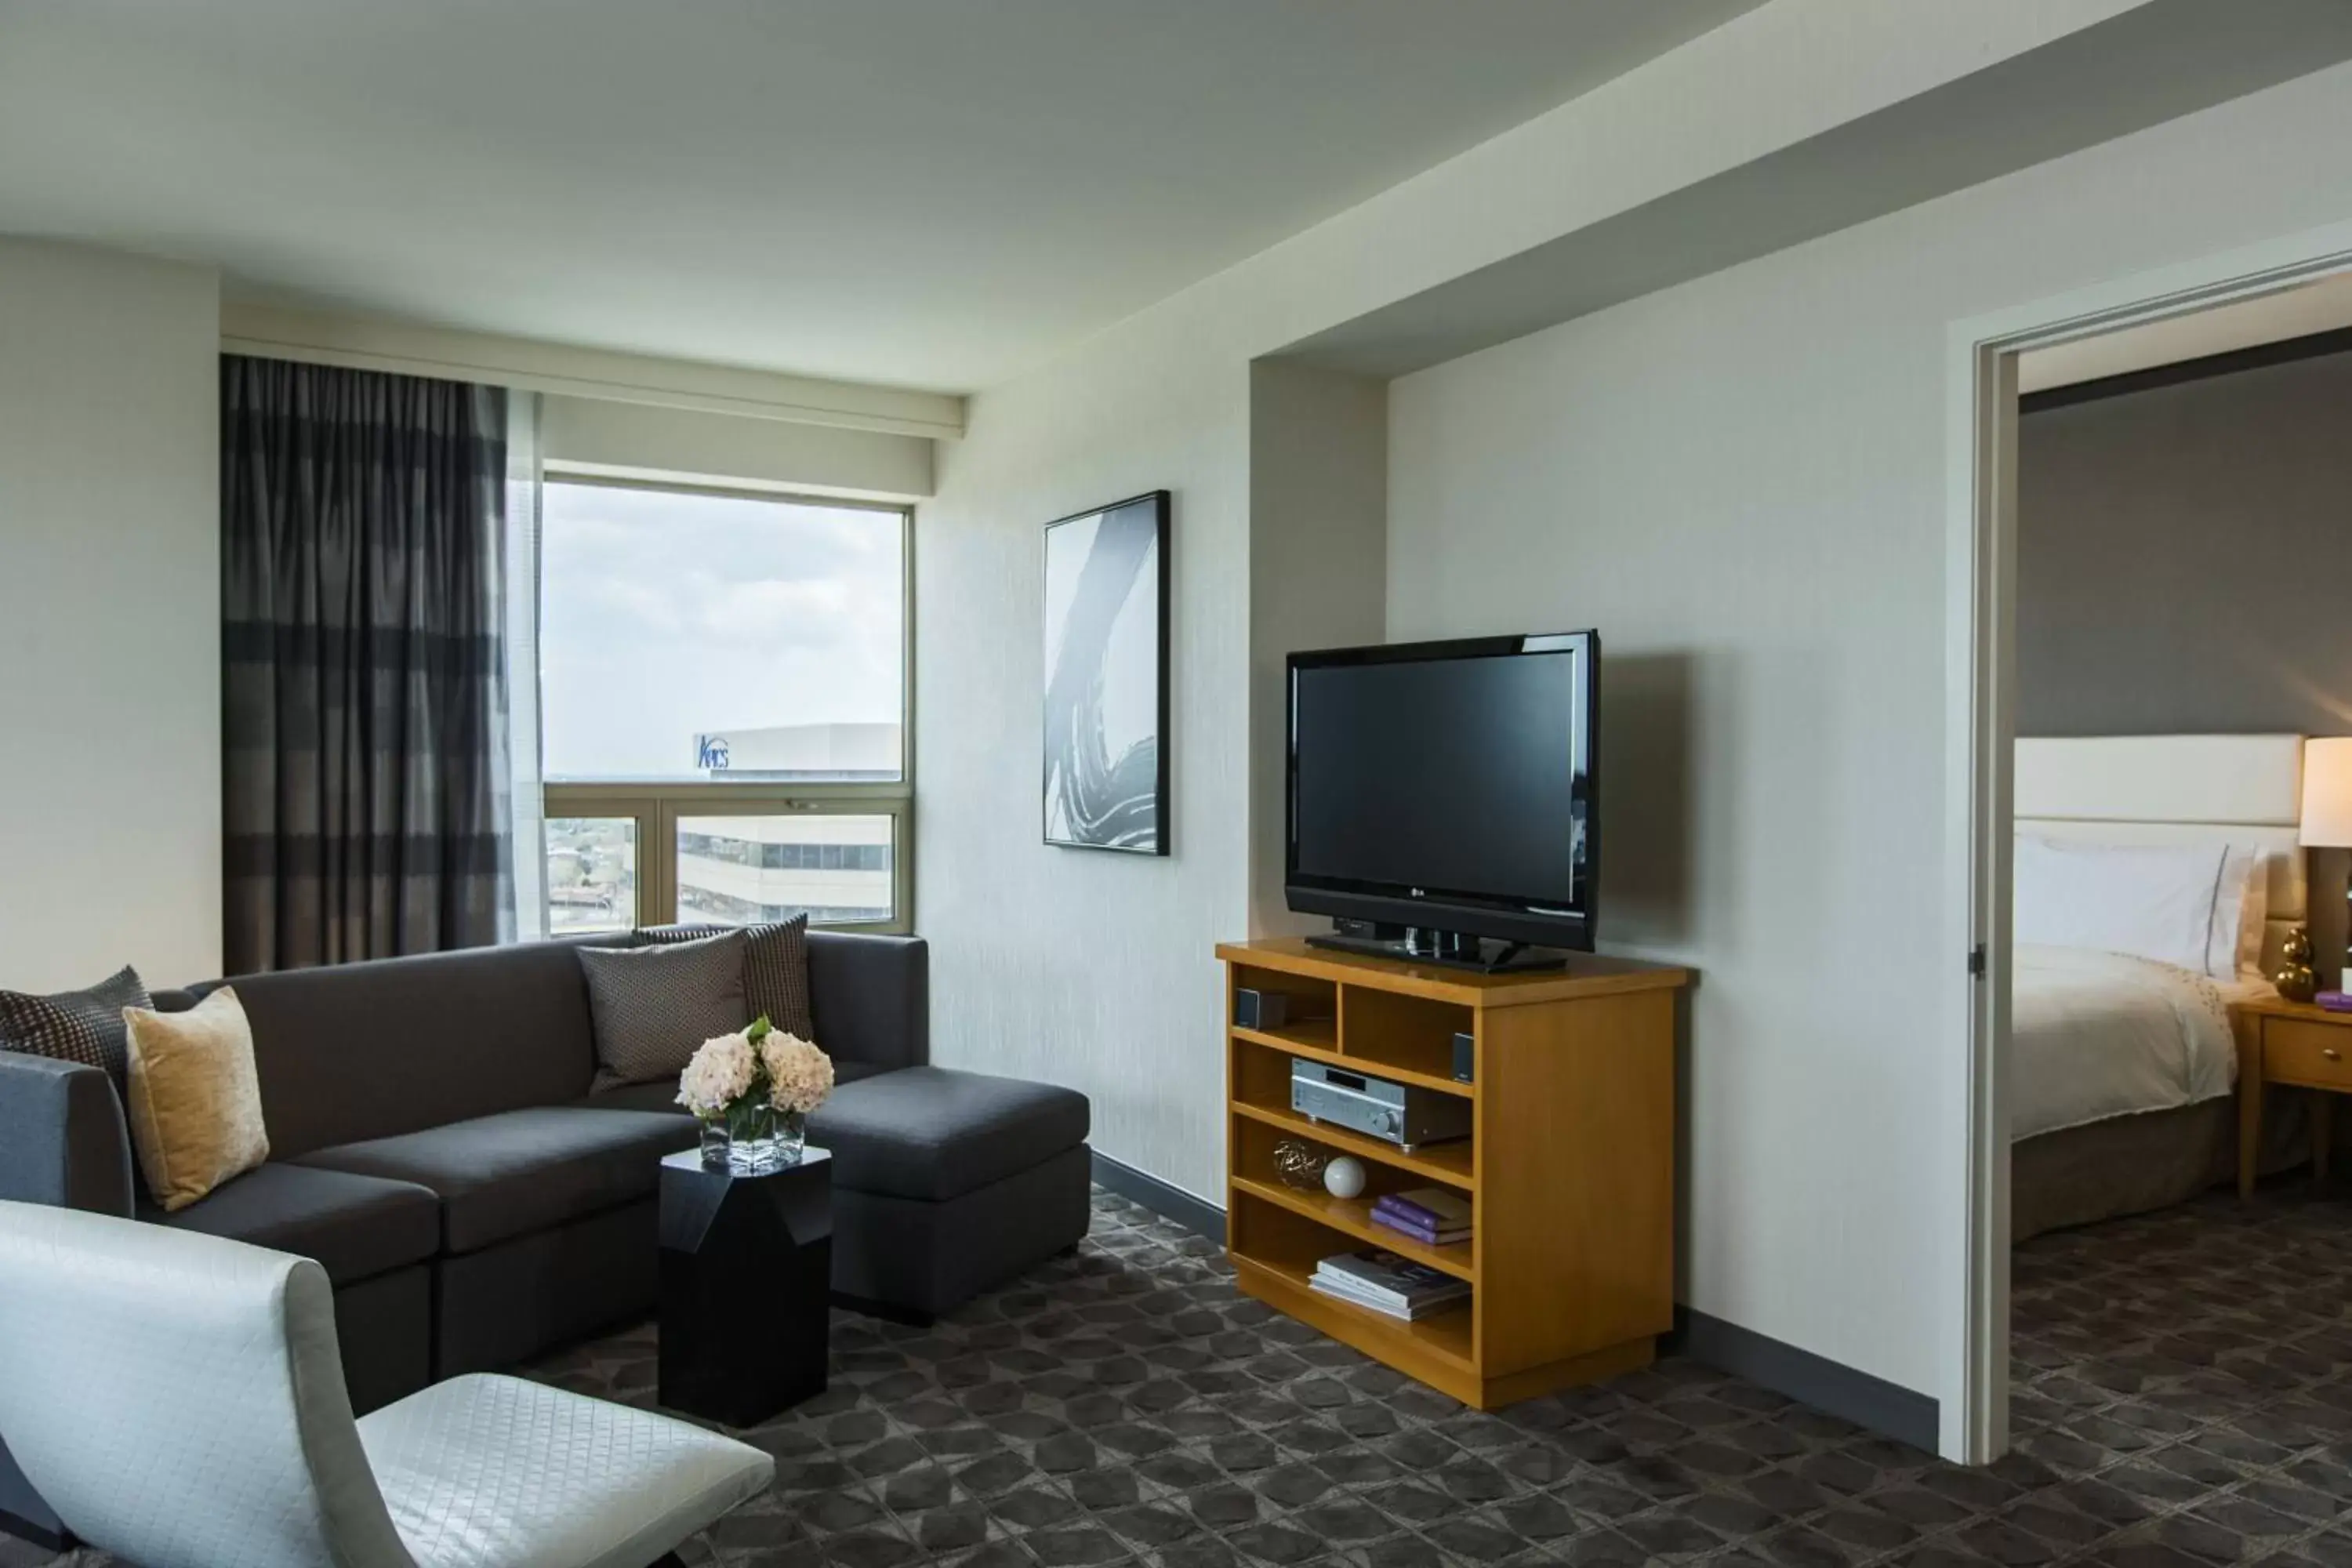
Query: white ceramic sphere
<point x="1344" y="1177"/>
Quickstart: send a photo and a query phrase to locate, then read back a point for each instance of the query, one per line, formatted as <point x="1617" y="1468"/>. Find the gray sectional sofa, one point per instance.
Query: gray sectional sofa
<point x="435" y="1147"/>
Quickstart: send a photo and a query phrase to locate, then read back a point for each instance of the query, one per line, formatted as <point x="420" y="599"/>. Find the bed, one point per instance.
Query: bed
<point x="2122" y="1060"/>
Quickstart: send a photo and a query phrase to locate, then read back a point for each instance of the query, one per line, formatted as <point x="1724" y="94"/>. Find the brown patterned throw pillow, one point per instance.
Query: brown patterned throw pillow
<point x="775" y="969"/>
<point x="652" y="1005"/>
<point x="76" y="1026"/>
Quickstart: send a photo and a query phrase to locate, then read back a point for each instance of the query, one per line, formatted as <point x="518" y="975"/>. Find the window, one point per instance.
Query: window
<point x="591" y="874"/>
<point x="722" y="698"/>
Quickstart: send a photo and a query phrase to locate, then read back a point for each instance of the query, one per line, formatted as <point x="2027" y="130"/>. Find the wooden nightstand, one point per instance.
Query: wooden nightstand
<point x="2298" y="1046"/>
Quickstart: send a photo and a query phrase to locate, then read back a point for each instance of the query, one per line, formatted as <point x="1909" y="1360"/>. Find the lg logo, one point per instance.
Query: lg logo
<point x="710" y="751"/>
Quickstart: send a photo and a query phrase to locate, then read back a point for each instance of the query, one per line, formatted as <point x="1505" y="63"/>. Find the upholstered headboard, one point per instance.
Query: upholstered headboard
<point x="2162" y="789"/>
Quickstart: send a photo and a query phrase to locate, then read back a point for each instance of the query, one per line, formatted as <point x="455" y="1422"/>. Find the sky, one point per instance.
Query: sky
<point x="663" y="615"/>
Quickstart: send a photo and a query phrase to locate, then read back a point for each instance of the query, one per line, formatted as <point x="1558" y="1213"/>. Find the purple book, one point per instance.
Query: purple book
<point x="1432" y="1208"/>
<point x="1426" y="1235"/>
<point x="2334" y="1001"/>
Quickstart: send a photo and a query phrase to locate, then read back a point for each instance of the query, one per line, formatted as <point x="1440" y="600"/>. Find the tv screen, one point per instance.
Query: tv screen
<point x="1447" y="786"/>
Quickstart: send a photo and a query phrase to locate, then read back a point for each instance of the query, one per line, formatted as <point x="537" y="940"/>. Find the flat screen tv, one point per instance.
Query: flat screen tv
<point x="1443" y="792"/>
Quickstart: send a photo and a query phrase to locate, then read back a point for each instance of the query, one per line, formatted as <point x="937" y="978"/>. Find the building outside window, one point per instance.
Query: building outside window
<point x="722" y="692"/>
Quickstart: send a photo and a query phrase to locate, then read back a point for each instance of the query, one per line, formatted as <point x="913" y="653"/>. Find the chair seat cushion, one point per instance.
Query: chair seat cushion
<point x="522" y="1170"/>
<point x="355" y="1227"/>
<point x="933" y="1134"/>
<point x="485" y="1470"/>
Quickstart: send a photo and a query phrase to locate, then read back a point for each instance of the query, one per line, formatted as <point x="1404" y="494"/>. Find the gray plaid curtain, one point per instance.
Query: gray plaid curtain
<point x="363" y="693"/>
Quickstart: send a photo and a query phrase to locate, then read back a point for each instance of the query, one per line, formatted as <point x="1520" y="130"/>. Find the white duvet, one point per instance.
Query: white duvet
<point x="2097" y="1035"/>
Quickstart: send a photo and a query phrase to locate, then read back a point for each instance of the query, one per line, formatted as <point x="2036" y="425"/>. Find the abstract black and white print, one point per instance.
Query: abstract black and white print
<point x="1106" y="678"/>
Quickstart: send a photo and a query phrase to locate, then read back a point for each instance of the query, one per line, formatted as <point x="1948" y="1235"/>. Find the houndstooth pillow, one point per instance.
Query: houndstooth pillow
<point x="76" y="1026"/>
<point x="775" y="969"/>
<point x="652" y="1005"/>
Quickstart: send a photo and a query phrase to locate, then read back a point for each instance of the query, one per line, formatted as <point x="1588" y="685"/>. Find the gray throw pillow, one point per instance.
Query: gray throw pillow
<point x="83" y="1026"/>
<point x="652" y="1006"/>
<point x="775" y="969"/>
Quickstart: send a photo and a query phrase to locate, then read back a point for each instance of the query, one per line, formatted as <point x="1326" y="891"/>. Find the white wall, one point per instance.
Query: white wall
<point x="1742" y="481"/>
<point x="1319" y="572"/>
<point x="109" y="618"/>
<point x="643" y="441"/>
<point x="1097" y="969"/>
<point x="1081" y="966"/>
<point x="1739" y="481"/>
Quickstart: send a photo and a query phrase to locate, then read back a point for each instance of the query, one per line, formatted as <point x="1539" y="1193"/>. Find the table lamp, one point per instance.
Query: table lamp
<point x="2326" y="821"/>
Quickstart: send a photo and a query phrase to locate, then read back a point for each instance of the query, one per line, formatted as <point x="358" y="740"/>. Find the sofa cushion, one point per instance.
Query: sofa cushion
<point x="354" y="1226"/>
<point x="775" y="969"/>
<point x="933" y="1134"/>
<point x="663" y="1096"/>
<point x="360" y="1051"/>
<point x="194" y="1103"/>
<point x="522" y="1170"/>
<point x="83" y="1026"/>
<point x="655" y="1005"/>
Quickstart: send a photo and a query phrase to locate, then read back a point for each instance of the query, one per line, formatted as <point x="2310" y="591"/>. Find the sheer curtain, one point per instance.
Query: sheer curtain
<point x="525" y="916"/>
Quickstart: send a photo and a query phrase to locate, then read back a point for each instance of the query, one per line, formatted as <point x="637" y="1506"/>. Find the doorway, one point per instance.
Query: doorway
<point x="2285" y="287"/>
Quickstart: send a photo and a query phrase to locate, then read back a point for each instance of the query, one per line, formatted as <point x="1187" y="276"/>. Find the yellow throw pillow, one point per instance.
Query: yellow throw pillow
<point x="194" y="1099"/>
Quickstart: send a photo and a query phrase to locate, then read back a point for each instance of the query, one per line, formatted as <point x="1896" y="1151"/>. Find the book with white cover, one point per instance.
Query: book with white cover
<point x="1381" y="1275"/>
<point x="1337" y="1286"/>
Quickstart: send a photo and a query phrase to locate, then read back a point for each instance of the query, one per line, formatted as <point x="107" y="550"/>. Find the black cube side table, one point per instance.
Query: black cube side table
<point x="746" y="1287"/>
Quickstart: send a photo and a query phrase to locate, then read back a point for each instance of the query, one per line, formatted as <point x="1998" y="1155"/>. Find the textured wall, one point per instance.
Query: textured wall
<point x="1083" y="966"/>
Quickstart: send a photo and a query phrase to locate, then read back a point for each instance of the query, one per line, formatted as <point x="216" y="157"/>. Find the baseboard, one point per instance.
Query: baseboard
<point x="1169" y="1203"/>
<point x="1885" y="1408"/>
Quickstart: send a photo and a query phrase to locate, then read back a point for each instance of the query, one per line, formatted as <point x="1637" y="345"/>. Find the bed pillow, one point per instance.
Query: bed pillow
<point x="2164" y="901"/>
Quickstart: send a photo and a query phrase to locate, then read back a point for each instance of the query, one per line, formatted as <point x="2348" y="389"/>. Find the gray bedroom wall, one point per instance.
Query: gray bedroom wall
<point x="2185" y="557"/>
<point x="2184" y="567"/>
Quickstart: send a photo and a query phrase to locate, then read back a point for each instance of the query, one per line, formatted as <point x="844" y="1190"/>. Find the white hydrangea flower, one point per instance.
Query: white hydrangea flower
<point x="800" y="1076"/>
<point x="721" y="1073"/>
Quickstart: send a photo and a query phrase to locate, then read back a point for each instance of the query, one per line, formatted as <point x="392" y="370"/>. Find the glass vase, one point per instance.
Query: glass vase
<point x="755" y="1139"/>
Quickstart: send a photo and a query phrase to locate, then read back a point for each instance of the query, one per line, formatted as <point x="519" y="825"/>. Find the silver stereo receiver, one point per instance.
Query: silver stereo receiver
<point x="1394" y="1112"/>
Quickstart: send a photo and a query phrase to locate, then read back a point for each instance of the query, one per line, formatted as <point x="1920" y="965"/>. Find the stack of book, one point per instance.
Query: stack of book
<point x="1431" y="1215"/>
<point x="1388" y="1284"/>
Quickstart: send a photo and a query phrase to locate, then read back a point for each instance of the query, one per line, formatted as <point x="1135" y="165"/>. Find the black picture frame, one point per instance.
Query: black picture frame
<point x="1103" y="567"/>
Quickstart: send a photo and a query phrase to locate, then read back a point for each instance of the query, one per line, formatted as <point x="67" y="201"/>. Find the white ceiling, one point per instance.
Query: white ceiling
<point x="928" y="193"/>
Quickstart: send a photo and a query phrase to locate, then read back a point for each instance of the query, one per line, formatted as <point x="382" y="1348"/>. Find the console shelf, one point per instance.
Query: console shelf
<point x="1448" y="1163"/>
<point x="1568" y="1167"/>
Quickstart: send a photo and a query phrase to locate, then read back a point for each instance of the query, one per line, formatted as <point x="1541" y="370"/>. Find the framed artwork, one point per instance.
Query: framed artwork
<point x="1105" y="783"/>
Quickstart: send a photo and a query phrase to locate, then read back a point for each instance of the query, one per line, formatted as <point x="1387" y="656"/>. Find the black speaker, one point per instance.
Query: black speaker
<point x="1260" y="1009"/>
<point x="1465" y="1054"/>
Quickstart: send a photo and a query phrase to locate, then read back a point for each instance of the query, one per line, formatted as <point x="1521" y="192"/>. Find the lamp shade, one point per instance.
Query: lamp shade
<point x="2327" y="793"/>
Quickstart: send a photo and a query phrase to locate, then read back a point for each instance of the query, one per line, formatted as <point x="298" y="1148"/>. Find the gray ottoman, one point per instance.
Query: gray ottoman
<point x="948" y="1184"/>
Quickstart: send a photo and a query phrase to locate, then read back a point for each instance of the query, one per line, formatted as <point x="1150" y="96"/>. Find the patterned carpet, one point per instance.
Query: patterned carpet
<point x="2184" y="1396"/>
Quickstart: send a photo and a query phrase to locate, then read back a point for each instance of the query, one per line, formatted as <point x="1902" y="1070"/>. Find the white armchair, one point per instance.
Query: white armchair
<point x="179" y="1401"/>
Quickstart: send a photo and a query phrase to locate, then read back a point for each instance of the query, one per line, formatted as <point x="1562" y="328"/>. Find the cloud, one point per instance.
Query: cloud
<point x="662" y="615"/>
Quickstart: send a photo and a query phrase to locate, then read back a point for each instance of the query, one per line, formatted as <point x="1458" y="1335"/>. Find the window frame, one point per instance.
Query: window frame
<point x="656" y="804"/>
